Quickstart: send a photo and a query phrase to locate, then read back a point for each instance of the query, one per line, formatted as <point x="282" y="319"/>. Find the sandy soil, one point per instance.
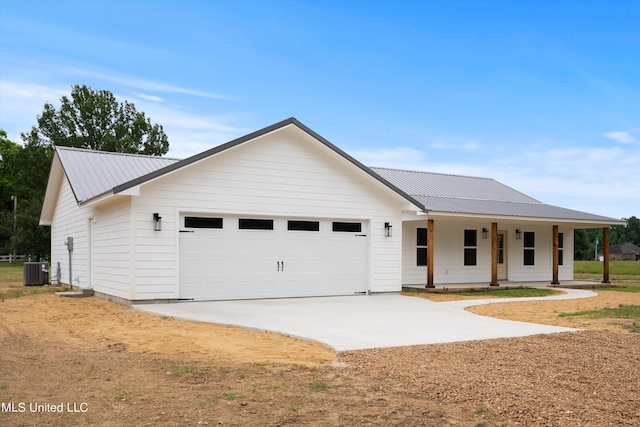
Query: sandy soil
<point x="546" y="312"/>
<point x="115" y="366"/>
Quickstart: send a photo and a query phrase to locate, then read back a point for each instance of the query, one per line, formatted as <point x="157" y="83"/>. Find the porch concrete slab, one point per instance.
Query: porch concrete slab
<point x="360" y="322"/>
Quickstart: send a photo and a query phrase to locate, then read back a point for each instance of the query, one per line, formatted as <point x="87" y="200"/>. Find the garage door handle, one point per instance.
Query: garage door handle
<point x="280" y="265"/>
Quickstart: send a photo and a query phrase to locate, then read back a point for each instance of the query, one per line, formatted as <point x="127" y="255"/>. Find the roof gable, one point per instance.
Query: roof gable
<point x="292" y="121"/>
<point x="624" y="248"/>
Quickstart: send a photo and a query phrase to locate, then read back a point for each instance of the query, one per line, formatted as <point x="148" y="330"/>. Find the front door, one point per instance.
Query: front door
<point x="502" y="255"/>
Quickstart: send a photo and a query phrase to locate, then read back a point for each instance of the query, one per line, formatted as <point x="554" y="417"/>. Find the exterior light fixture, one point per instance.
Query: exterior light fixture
<point x="388" y="229"/>
<point x="157" y="222"/>
<point x="485" y="233"/>
<point x="518" y="234"/>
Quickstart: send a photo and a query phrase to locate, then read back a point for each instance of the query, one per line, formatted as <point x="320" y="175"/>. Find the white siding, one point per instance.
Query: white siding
<point x="113" y="249"/>
<point x="542" y="270"/>
<point x="281" y="175"/>
<point x="70" y="221"/>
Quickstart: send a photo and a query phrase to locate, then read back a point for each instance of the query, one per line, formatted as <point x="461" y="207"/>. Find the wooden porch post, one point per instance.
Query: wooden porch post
<point x="494" y="254"/>
<point x="556" y="247"/>
<point x="605" y="253"/>
<point x="430" y="251"/>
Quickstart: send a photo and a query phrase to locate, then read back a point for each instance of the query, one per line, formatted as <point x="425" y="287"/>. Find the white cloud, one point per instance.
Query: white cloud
<point x="586" y="179"/>
<point x="189" y="133"/>
<point x="152" y="98"/>
<point x="388" y="157"/>
<point x="623" y="137"/>
<point x="448" y="145"/>
<point x="21" y="103"/>
<point x="142" y="84"/>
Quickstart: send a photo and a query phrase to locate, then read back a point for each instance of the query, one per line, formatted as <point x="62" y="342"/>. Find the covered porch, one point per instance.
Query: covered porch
<point x="474" y="252"/>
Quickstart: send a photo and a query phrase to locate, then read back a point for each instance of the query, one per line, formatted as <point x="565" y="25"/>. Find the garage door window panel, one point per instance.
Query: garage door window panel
<point x="255" y="224"/>
<point x="293" y="225"/>
<point x="347" y="227"/>
<point x="202" y="222"/>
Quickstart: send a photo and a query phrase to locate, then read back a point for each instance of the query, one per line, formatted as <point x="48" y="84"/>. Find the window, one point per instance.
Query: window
<point x="202" y="222"/>
<point x="255" y="224"/>
<point x="303" y="226"/>
<point x="347" y="227"/>
<point x="421" y="247"/>
<point x="470" y="247"/>
<point x="500" y="248"/>
<point x="529" y="248"/>
<point x="560" y="248"/>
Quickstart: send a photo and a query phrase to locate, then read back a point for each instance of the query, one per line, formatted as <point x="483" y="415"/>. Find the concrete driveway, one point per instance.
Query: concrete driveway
<point x="361" y="322"/>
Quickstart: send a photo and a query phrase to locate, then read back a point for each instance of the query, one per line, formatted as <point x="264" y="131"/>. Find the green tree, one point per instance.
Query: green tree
<point x="629" y="233"/>
<point x="583" y="245"/>
<point x="95" y="120"/>
<point x="87" y="119"/>
<point x="22" y="172"/>
<point x="9" y="152"/>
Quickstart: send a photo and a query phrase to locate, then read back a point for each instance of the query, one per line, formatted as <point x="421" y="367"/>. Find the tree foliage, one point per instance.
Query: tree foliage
<point x="95" y="120"/>
<point x="22" y="172"/>
<point x="585" y="240"/>
<point x="87" y="119"/>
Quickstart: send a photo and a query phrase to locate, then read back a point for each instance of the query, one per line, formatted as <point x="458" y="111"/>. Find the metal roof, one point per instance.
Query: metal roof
<point x="92" y="173"/>
<point x="429" y="184"/>
<point x="456" y="194"/>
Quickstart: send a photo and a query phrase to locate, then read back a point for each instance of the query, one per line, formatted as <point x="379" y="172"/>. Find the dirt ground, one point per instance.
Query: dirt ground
<point x="107" y="365"/>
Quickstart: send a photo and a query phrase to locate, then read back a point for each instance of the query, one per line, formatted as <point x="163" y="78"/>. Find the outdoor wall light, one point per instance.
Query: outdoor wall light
<point x="518" y="234"/>
<point x="388" y="229"/>
<point x="485" y="233"/>
<point x="157" y="222"/>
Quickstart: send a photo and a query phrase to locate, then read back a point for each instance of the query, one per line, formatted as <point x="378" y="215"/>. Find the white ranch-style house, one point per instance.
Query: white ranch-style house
<point x="282" y="212"/>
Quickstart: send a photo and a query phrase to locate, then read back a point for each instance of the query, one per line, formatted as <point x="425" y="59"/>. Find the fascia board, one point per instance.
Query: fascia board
<point x="56" y="175"/>
<point x="578" y="223"/>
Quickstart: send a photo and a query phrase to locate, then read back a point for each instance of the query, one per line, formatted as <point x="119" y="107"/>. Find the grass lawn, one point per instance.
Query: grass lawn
<point x="623" y="311"/>
<point x="618" y="270"/>
<point x="510" y="293"/>
<point x="12" y="279"/>
<point x="11" y="272"/>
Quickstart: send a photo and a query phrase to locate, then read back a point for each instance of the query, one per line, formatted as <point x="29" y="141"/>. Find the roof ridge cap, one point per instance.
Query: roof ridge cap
<point x="433" y="173"/>
<point x="115" y="153"/>
<point x="533" y="202"/>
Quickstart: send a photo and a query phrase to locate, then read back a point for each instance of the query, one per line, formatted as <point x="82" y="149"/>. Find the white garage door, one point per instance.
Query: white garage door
<point x="240" y="258"/>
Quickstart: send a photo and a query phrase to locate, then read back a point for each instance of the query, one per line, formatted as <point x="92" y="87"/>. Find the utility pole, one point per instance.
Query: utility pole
<point x="15" y="223"/>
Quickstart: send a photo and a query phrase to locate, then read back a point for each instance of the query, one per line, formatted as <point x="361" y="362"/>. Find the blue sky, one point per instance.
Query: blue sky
<point x="543" y="96"/>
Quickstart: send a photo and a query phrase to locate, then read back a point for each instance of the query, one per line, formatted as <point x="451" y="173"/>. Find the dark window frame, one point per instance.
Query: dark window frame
<point x="255" y="224"/>
<point x="560" y="248"/>
<point x="346" y="227"/>
<point x="529" y="245"/>
<point x="191" y="221"/>
<point x="470" y="244"/>
<point x="422" y="248"/>
<point x="299" y="225"/>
